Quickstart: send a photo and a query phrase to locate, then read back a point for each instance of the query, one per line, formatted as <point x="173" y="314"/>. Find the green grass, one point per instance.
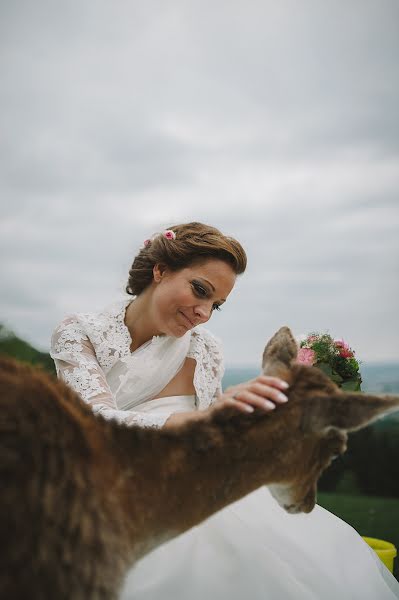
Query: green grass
<point x="371" y="516"/>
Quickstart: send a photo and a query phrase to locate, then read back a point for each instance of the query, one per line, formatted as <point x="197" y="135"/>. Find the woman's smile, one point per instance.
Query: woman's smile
<point x="188" y="323"/>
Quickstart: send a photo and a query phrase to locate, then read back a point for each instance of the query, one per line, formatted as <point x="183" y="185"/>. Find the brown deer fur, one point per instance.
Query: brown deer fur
<point x="82" y="498"/>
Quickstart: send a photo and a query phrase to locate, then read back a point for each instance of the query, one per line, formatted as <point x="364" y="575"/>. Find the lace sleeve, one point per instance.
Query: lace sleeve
<point x="207" y="351"/>
<point x="76" y="363"/>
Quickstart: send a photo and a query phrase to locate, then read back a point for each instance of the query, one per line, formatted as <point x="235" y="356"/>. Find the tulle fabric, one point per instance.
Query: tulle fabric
<point x="140" y="376"/>
<point x="254" y="550"/>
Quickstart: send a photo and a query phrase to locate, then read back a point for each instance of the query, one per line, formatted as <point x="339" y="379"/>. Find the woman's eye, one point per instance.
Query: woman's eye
<point x="199" y="290"/>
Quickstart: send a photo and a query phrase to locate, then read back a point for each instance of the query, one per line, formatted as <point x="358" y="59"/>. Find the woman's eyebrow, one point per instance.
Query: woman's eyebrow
<point x="208" y="282"/>
<point x="213" y="287"/>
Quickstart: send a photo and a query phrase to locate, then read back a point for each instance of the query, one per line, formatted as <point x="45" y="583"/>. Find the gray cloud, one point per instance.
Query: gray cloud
<point x="274" y="121"/>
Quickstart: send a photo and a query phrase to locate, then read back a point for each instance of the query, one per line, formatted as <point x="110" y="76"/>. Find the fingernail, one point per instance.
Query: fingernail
<point x="268" y="404"/>
<point x="249" y="408"/>
<point x="282" y="397"/>
<point x="284" y="384"/>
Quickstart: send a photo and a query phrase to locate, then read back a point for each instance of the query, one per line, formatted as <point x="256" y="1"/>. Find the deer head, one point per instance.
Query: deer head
<point x="319" y="416"/>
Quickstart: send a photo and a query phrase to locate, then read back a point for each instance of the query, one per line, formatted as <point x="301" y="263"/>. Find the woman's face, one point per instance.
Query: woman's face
<point x="186" y="298"/>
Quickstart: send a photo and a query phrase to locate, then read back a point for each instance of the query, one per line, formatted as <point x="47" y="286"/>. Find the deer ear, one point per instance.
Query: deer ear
<point x="280" y="352"/>
<point x="346" y="411"/>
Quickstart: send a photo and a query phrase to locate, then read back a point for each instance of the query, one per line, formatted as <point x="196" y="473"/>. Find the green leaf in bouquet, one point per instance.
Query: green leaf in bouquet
<point x="336" y="377"/>
<point x="352" y="385"/>
<point x="327" y="370"/>
<point x="325" y="367"/>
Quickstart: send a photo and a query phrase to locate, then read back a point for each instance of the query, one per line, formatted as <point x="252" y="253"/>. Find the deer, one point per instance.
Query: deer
<point x="83" y="498"/>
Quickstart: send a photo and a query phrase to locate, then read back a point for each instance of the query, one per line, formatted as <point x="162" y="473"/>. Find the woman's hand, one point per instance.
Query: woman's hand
<point x="262" y="392"/>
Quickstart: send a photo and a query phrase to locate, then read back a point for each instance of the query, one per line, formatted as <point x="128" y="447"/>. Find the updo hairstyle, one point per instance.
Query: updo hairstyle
<point x="193" y="243"/>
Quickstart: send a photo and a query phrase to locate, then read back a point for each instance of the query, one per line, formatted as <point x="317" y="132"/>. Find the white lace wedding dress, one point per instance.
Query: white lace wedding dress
<point x="251" y="549"/>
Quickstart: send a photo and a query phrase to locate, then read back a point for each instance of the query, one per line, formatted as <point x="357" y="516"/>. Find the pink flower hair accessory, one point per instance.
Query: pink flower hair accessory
<point x="167" y="234"/>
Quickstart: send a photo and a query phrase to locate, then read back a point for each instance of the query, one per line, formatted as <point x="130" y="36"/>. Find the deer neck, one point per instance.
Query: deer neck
<point x="169" y="482"/>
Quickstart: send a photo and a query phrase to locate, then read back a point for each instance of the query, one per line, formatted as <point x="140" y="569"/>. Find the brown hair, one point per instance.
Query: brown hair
<point x="194" y="243"/>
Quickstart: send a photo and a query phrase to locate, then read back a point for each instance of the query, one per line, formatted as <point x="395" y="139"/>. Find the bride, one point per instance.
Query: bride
<point x="147" y="361"/>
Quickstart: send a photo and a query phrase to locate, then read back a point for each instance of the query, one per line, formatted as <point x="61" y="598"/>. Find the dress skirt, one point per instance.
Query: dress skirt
<point x="254" y="550"/>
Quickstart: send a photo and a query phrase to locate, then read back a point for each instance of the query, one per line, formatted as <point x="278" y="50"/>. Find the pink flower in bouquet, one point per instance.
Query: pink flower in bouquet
<point x="344" y="349"/>
<point x="346" y="353"/>
<point x="311" y="339"/>
<point x="306" y="356"/>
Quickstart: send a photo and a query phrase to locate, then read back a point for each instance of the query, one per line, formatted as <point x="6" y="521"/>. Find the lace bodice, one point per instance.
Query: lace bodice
<point x="86" y="348"/>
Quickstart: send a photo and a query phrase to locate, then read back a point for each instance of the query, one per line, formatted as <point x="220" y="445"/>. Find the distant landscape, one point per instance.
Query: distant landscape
<point x="379" y="378"/>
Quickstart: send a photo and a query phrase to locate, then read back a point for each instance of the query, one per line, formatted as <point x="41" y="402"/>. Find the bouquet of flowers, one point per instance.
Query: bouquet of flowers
<point x="334" y="357"/>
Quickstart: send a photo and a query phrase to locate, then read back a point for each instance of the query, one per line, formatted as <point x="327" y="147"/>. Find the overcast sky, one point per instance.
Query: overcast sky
<point x="275" y="121"/>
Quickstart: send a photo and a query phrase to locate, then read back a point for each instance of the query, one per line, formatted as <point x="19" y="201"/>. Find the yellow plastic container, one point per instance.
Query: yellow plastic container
<point x="385" y="550"/>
